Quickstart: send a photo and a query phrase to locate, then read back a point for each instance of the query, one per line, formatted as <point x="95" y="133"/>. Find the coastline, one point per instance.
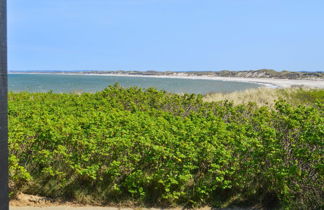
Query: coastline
<point x="267" y="82"/>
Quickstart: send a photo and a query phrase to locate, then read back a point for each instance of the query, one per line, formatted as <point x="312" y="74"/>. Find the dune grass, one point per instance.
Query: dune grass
<point x="267" y="96"/>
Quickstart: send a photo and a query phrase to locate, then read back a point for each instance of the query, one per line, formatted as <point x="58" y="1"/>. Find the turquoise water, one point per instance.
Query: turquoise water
<point x="89" y="83"/>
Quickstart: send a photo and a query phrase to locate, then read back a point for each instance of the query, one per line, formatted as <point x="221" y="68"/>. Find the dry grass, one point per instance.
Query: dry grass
<point x="261" y="96"/>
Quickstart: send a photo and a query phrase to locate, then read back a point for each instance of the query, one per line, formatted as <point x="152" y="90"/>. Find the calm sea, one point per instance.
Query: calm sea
<point x="88" y="83"/>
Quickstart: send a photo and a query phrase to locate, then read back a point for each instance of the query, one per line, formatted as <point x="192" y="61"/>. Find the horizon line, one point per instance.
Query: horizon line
<point x="83" y="70"/>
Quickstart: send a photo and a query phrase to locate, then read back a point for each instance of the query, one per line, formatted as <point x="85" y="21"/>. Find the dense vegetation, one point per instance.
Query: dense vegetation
<point x="151" y="147"/>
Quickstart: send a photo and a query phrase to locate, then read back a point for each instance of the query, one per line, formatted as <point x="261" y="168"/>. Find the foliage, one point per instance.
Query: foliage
<point x="153" y="147"/>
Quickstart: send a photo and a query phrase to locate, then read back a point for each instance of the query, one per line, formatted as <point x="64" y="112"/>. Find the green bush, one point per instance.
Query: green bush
<point x="153" y="147"/>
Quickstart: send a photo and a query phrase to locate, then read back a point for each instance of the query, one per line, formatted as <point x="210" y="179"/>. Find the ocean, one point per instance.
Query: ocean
<point x="60" y="83"/>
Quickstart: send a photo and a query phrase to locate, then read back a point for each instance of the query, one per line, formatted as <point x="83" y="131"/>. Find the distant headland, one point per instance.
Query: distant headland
<point x="261" y="73"/>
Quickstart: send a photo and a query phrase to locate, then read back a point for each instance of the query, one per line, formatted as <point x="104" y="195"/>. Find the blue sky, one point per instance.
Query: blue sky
<point x="177" y="35"/>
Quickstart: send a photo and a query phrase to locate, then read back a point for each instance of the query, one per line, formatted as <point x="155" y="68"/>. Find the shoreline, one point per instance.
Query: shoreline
<point x="267" y="82"/>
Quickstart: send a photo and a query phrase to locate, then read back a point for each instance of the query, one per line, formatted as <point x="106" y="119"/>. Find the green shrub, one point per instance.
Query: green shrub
<point x="153" y="147"/>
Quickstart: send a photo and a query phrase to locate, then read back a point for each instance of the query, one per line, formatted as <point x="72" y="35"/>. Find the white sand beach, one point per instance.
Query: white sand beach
<point x="282" y="83"/>
<point x="268" y="82"/>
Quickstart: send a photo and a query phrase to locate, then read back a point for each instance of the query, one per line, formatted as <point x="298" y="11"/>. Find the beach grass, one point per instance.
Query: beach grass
<point x="268" y="96"/>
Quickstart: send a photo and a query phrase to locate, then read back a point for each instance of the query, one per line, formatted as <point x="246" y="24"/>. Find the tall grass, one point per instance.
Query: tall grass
<point x="267" y="96"/>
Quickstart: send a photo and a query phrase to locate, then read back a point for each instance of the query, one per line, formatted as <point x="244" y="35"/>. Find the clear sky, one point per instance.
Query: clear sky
<point x="177" y="35"/>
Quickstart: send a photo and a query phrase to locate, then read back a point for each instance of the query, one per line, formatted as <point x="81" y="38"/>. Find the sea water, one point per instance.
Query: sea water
<point x="61" y="83"/>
